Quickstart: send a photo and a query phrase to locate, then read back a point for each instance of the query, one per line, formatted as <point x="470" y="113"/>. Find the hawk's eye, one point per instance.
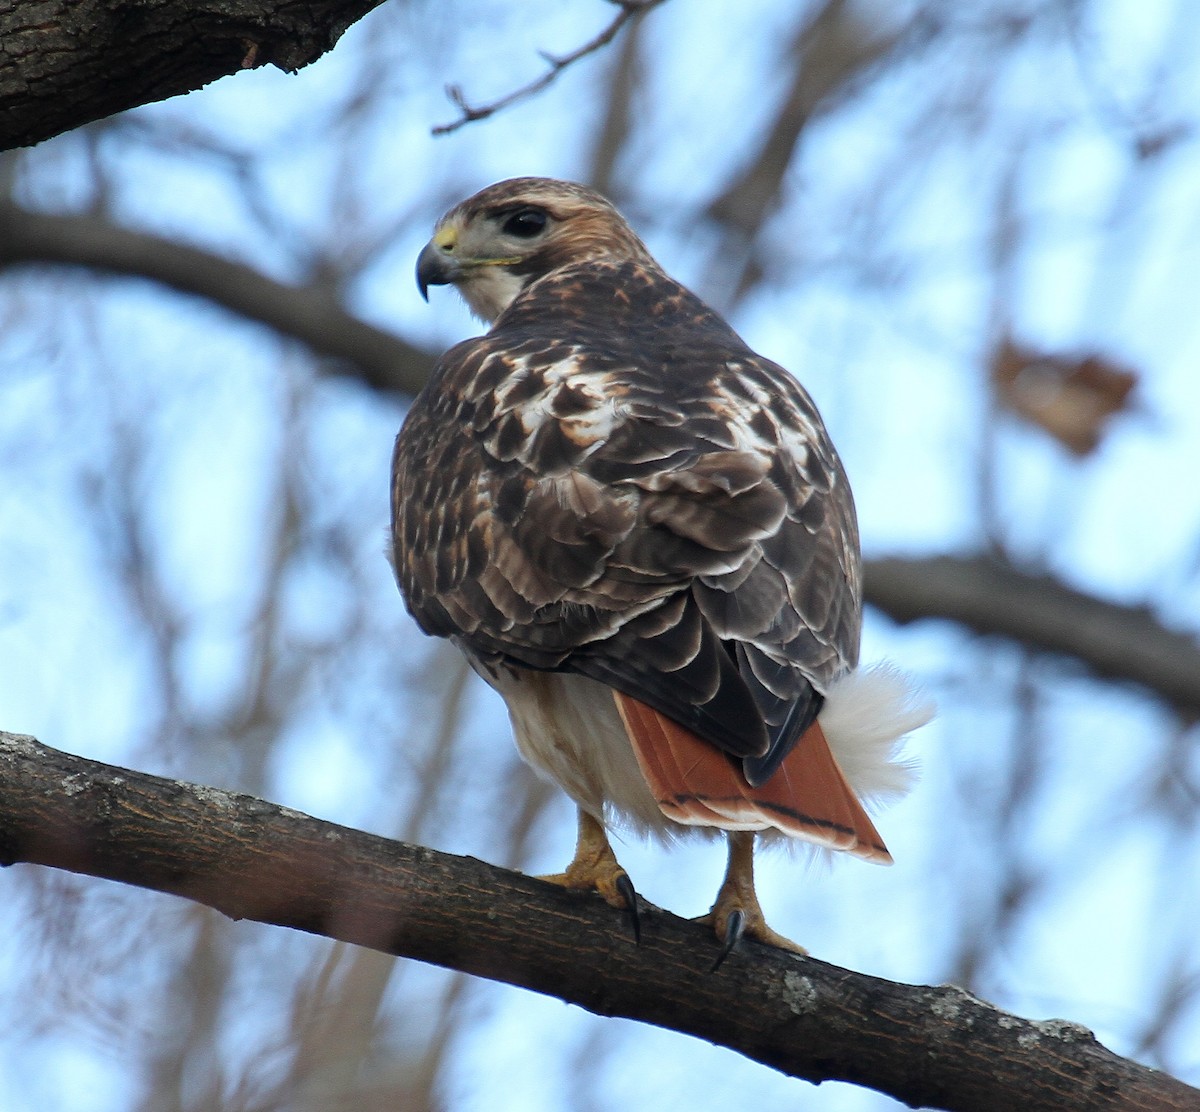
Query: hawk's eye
<point x="526" y="223"/>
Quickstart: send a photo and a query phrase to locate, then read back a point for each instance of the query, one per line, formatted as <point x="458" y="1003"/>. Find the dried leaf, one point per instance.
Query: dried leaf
<point x="1070" y="397"/>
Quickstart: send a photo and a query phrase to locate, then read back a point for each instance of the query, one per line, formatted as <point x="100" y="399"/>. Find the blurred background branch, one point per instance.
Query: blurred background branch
<point x="992" y="597"/>
<point x="311" y="314"/>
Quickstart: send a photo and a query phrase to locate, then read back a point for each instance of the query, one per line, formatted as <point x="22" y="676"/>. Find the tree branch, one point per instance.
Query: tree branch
<point x="249" y="859"/>
<point x="64" y="63"/>
<point x="310" y="314"/>
<point x="629" y="9"/>
<point x="992" y="596"/>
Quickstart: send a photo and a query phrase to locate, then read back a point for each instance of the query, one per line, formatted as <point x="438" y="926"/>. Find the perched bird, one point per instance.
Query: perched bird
<point x="639" y="533"/>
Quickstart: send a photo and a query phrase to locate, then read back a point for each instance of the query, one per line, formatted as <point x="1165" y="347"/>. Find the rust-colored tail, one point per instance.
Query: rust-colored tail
<point x="697" y="784"/>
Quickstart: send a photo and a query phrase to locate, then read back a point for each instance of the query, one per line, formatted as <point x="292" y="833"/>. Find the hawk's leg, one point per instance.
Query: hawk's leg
<point x="736" y="914"/>
<point x="595" y="867"/>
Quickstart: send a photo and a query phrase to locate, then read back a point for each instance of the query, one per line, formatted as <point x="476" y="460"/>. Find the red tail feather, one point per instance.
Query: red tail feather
<point x="697" y="784"/>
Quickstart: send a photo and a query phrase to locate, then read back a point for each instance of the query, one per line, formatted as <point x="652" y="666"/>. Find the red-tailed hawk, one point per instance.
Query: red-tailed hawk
<point x="638" y="531"/>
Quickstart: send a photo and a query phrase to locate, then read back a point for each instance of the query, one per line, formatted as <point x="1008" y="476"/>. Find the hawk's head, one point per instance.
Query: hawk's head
<point x="493" y="245"/>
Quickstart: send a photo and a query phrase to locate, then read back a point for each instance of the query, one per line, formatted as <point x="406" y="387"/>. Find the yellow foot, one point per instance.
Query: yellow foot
<point x="731" y="922"/>
<point x="603" y="875"/>
<point x="595" y="869"/>
<point x="736" y="913"/>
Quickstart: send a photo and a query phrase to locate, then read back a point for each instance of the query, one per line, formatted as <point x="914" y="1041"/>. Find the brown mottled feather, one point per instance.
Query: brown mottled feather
<point x="629" y="540"/>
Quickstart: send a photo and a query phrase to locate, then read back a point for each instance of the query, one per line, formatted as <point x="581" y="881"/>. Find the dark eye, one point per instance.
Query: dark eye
<point x="526" y="223"/>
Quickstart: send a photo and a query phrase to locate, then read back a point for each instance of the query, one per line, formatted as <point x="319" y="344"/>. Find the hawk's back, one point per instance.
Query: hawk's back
<point x="610" y="482"/>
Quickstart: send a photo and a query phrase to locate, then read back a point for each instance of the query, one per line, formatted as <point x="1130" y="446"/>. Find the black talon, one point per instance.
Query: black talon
<point x="625" y="887"/>
<point x="735" y="927"/>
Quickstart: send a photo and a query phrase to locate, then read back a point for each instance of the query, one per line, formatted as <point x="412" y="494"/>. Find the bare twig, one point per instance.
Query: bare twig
<point x="933" y="1046"/>
<point x="629" y="9"/>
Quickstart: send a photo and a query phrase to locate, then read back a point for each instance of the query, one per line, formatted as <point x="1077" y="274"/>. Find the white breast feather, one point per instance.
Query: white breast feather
<point x="567" y="728"/>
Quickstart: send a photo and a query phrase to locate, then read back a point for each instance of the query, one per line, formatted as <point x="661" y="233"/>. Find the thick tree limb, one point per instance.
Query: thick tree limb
<point x="992" y="596"/>
<point x="310" y="314"/>
<point x="64" y="63"/>
<point x="1122" y="642"/>
<point x="932" y="1046"/>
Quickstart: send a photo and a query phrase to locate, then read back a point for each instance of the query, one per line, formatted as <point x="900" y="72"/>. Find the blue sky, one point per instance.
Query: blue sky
<point x="119" y="399"/>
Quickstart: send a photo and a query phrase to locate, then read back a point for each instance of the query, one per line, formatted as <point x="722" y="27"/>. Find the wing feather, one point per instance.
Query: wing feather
<point x="650" y="504"/>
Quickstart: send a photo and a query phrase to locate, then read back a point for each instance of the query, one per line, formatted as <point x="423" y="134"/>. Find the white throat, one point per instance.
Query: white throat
<point x="489" y="290"/>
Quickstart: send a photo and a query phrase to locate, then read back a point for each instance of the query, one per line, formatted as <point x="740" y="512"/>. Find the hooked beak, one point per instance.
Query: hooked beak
<point x="436" y="267"/>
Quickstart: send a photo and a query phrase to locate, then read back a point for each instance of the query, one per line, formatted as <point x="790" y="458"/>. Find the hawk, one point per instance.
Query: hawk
<point x="639" y="532"/>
